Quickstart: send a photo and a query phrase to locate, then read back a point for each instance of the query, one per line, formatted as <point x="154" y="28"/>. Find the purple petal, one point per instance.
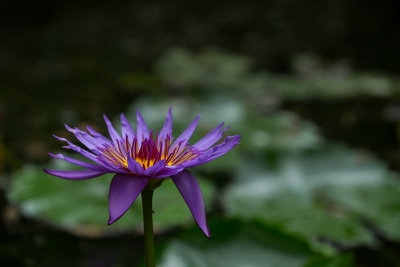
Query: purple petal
<point x="168" y="171"/>
<point x="142" y="129"/>
<point x="84" y="137"/>
<point x="127" y="129"/>
<point x="135" y="167"/>
<point x="101" y="138"/>
<point x="78" y="149"/>
<point x="124" y="189"/>
<point x="214" y="152"/>
<point x="86" y="154"/>
<point x="79" y="163"/>
<point x="185" y="136"/>
<point x="229" y="143"/>
<point x="211" y="138"/>
<point x="113" y="133"/>
<point x="191" y="193"/>
<point x="155" y="168"/>
<point x="114" y="168"/>
<point x="167" y="128"/>
<point x="75" y="175"/>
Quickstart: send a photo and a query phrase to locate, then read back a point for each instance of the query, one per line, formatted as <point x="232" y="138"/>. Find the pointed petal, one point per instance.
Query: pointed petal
<point x="78" y="149"/>
<point x="168" y="171"/>
<point x="214" y="152"/>
<point x="113" y="133"/>
<point x="98" y="136"/>
<point x="127" y="129"/>
<point x="85" y="153"/>
<point x="75" y="175"/>
<point x="84" y="137"/>
<point x="211" y="138"/>
<point x="229" y="143"/>
<point x="191" y="193"/>
<point x="167" y="128"/>
<point x="124" y="189"/>
<point x="142" y="129"/>
<point x="79" y="163"/>
<point x="185" y="136"/>
<point x="135" y="167"/>
<point x="155" y="168"/>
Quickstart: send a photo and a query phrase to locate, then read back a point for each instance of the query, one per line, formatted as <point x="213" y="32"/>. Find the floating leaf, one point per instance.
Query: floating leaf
<point x="212" y="70"/>
<point x="84" y="203"/>
<point x="345" y="260"/>
<point x="295" y="196"/>
<point x="236" y="244"/>
<point x="377" y="204"/>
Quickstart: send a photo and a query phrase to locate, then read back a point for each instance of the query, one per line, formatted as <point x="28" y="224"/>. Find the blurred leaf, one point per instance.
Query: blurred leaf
<point x="234" y="244"/>
<point x="279" y="131"/>
<point x="85" y="203"/>
<point x="209" y="70"/>
<point x="237" y="244"/>
<point x="377" y="204"/>
<point x="324" y="85"/>
<point x="212" y="70"/>
<point x="345" y="260"/>
<point x="295" y="195"/>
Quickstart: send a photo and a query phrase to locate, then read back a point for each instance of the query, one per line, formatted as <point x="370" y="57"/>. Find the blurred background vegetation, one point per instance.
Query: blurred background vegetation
<point x="313" y="88"/>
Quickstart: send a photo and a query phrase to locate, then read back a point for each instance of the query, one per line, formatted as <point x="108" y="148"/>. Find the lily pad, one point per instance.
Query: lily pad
<point x="84" y="203"/>
<point x="295" y="196"/>
<point x="237" y="244"/>
<point x="377" y="204"/>
<point x="212" y="70"/>
<point x="344" y="260"/>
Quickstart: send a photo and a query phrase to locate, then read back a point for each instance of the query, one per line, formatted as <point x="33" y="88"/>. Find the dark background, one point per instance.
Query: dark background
<point x="67" y="61"/>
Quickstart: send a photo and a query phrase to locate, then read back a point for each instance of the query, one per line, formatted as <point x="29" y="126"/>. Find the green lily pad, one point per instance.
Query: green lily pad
<point x="296" y="196"/>
<point x="238" y="244"/>
<point x="84" y="203"/>
<point x="344" y="260"/>
<point x="212" y="70"/>
<point x="377" y="204"/>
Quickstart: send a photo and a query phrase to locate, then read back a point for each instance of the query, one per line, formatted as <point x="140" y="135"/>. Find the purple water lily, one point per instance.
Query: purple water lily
<point x="142" y="158"/>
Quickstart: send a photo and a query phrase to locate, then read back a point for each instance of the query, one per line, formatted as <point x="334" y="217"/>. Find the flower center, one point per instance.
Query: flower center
<point x="149" y="152"/>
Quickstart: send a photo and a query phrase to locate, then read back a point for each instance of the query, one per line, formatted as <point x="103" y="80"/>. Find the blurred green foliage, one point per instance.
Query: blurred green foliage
<point x="296" y="196"/>
<point x="77" y="204"/>
<point x="284" y="197"/>
<point x="243" y="244"/>
<point x="312" y="77"/>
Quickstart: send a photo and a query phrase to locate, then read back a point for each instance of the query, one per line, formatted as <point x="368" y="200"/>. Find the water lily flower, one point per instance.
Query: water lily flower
<point x="142" y="159"/>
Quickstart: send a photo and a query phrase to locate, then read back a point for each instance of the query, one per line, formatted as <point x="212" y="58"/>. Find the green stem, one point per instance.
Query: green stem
<point x="147" y="199"/>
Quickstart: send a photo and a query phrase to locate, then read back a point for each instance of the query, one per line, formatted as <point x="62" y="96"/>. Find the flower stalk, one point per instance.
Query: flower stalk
<point x="147" y="203"/>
